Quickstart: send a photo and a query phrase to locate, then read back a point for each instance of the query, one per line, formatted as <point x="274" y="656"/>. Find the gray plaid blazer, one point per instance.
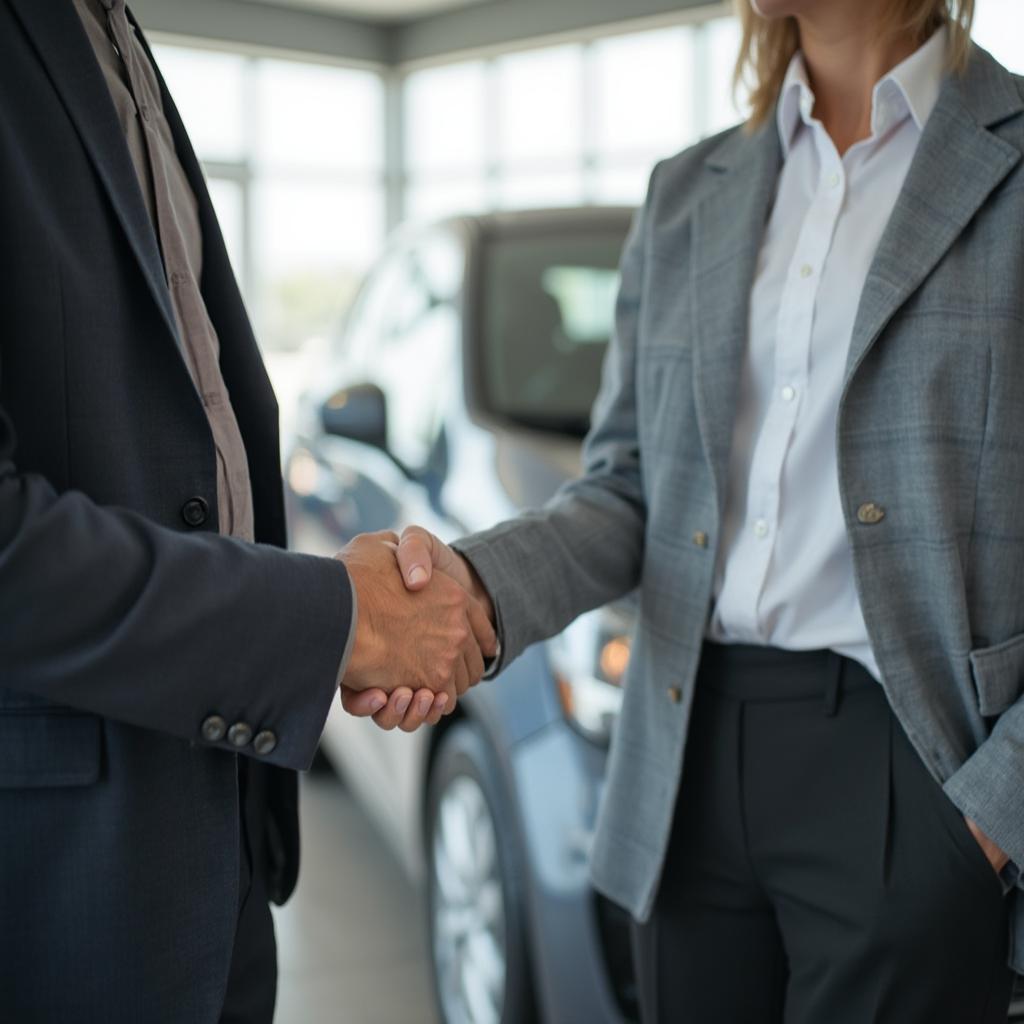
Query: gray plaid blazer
<point x="930" y="429"/>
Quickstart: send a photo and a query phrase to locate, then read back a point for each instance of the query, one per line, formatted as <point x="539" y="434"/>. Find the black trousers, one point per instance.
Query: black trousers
<point x="817" y="873"/>
<point x="252" y="981"/>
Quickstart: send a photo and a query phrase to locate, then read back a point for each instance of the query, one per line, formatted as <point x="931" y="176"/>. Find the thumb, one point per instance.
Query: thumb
<point x="418" y="552"/>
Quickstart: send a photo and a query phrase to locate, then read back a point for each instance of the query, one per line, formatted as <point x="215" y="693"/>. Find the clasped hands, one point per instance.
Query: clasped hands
<point x="424" y="629"/>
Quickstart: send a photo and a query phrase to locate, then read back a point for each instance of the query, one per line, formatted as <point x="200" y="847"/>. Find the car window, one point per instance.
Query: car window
<point x="547" y="316"/>
<point x="403" y="336"/>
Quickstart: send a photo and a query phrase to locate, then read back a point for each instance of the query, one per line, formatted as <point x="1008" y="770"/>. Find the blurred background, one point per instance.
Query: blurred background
<point x="446" y="184"/>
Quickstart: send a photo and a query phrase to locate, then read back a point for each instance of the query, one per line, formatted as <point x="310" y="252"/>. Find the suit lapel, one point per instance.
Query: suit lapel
<point x="957" y="166"/>
<point x="60" y="40"/>
<point x="728" y="226"/>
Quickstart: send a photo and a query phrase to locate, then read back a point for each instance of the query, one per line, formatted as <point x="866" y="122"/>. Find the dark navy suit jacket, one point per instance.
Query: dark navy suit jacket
<point x="126" y="622"/>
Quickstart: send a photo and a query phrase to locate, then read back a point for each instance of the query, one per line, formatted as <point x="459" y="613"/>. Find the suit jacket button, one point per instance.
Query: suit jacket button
<point x="265" y="742"/>
<point x="239" y="735"/>
<point x="195" y="512"/>
<point x="700" y="538"/>
<point x="214" y="729"/>
<point x="675" y="694"/>
<point x="869" y="514"/>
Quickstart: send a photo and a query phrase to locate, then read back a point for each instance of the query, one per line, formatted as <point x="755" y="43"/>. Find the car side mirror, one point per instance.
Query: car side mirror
<point x="357" y="413"/>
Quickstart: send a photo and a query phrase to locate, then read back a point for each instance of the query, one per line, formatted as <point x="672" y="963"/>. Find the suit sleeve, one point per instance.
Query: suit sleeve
<point x="585" y="547"/>
<point x="989" y="787"/>
<point x="104" y="611"/>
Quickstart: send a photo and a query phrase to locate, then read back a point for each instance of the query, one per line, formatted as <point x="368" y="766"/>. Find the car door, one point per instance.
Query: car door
<point x="403" y="340"/>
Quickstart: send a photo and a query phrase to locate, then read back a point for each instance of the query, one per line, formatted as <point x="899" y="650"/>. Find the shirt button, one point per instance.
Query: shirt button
<point x="265" y="743"/>
<point x="761" y="528"/>
<point x="788" y="393"/>
<point x="700" y="538"/>
<point x="806" y="270"/>
<point x="194" y="512"/>
<point x="869" y="513"/>
<point x="675" y="695"/>
<point x="834" y="180"/>
<point x="239" y="735"/>
<point x="213" y="729"/>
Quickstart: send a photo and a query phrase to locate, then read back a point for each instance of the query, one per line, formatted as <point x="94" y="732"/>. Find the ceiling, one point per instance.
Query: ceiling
<point x="376" y="10"/>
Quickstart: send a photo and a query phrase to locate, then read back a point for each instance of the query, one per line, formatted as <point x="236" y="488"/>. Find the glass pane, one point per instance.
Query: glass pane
<point x="430" y="200"/>
<point x="999" y="28"/>
<point x="627" y="184"/>
<point x="312" y="243"/>
<point x="718" y="109"/>
<point x="540" y="104"/>
<point x="445" y="120"/>
<point x="526" y="191"/>
<point x="315" y="116"/>
<point x="227" y="202"/>
<point x="208" y="91"/>
<point x="548" y="315"/>
<point x="644" y="94"/>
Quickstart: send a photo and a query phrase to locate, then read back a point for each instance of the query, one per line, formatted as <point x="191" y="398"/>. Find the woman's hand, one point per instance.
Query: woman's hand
<point x="995" y="855"/>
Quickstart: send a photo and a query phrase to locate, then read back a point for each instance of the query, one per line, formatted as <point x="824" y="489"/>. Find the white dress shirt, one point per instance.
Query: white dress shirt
<point x="784" y="575"/>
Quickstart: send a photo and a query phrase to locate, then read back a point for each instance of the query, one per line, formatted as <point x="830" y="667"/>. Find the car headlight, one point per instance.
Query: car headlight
<point x="589" y="660"/>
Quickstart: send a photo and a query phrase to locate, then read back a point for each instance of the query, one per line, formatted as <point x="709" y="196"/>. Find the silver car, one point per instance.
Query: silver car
<point x="457" y="394"/>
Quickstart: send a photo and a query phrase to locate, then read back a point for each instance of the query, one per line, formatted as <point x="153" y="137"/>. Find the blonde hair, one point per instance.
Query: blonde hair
<point x="769" y="43"/>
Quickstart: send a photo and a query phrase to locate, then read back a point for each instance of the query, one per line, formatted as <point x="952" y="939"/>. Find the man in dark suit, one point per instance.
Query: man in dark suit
<point x="151" y="629"/>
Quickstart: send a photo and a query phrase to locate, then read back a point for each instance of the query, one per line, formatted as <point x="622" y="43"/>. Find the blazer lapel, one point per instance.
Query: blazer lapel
<point x="60" y="40"/>
<point x="957" y="166"/>
<point x="728" y="226"/>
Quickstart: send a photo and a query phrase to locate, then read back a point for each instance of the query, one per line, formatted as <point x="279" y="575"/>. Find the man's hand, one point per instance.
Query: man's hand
<point x="420" y="553"/>
<point x="996" y="857"/>
<point x="409" y="644"/>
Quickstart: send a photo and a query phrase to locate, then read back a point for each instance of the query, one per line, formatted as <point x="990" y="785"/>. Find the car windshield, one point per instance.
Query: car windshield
<point x="548" y="310"/>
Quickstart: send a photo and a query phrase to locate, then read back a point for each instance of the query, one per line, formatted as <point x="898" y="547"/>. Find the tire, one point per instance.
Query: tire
<point x="476" y="917"/>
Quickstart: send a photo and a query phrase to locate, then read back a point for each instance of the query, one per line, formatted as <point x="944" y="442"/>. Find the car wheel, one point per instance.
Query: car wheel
<point x="475" y="892"/>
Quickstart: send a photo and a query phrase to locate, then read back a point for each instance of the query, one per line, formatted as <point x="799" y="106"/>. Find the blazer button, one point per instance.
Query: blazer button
<point x="675" y="695"/>
<point x="869" y="514"/>
<point x="195" y="511"/>
<point x="239" y="735"/>
<point x="214" y="729"/>
<point x="700" y="538"/>
<point x="265" y="743"/>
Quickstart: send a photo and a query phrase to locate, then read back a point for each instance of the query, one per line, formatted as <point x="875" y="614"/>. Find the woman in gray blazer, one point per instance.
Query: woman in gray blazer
<point x="808" y="455"/>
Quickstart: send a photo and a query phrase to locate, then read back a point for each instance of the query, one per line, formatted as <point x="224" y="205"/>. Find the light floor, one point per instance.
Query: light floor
<point x="351" y="942"/>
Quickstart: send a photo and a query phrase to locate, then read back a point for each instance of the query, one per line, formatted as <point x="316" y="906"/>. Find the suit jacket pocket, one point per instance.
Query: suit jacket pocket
<point x="998" y="675"/>
<point x="48" y="748"/>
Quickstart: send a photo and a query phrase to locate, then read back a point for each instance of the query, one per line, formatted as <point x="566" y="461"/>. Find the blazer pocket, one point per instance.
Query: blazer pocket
<point x="998" y="675"/>
<point x="40" y="749"/>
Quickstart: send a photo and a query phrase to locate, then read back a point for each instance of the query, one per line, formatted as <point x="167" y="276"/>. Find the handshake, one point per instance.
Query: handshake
<point x="424" y="629"/>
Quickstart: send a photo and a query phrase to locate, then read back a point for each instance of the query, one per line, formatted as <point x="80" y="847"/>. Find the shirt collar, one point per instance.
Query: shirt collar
<point x="910" y="88"/>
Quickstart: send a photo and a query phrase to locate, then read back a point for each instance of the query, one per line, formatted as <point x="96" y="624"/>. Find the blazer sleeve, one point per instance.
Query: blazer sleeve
<point x="585" y="547"/>
<point x="104" y="611"/>
<point x="989" y="787"/>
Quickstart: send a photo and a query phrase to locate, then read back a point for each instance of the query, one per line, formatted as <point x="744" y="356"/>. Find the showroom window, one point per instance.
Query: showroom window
<point x="584" y="123"/>
<point x="294" y="155"/>
<point x="565" y="124"/>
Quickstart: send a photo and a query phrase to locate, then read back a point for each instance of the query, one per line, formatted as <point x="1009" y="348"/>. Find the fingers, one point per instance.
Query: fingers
<point x="463" y="677"/>
<point x="474" y="661"/>
<point x="483" y="631"/>
<point x="422" y="710"/>
<point x="417" y="557"/>
<point x="408" y="711"/>
<point x="442" y="706"/>
<point x="362" y="703"/>
<point x="392" y="714"/>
